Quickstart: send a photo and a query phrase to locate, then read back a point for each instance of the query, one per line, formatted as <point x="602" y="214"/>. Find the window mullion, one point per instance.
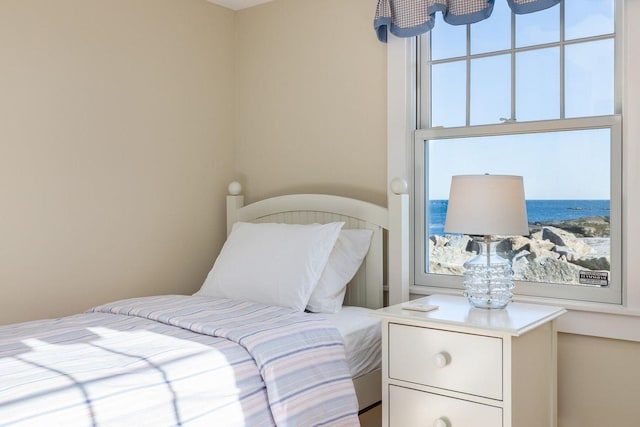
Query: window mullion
<point x="468" y="61"/>
<point x="513" y="116"/>
<point x="562" y="62"/>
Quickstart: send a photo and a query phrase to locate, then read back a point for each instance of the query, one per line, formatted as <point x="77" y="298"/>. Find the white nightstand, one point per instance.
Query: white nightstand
<point x="459" y="366"/>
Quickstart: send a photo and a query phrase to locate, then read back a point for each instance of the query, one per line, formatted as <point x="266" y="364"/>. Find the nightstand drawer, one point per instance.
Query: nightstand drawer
<point x="449" y="360"/>
<point x="409" y="408"/>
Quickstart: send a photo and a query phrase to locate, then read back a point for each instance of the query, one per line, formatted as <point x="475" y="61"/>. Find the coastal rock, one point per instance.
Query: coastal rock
<point x="601" y="245"/>
<point x="549" y="270"/>
<point x="519" y="263"/>
<point x="594" y="263"/>
<point x="550" y="254"/>
<point x="448" y="260"/>
<point x="447" y="254"/>
<point x="438" y="241"/>
<point x="462" y="242"/>
<point x="450" y="255"/>
<point x="592" y="226"/>
<point x="531" y="248"/>
<point x="446" y="268"/>
<point x="540" y="252"/>
<point x="567" y="253"/>
<point x="570" y="246"/>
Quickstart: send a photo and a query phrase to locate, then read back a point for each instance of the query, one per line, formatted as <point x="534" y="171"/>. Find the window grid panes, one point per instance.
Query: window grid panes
<point x="583" y="57"/>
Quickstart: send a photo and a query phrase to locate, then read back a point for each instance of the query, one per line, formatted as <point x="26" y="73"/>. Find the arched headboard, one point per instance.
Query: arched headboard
<point x="366" y="288"/>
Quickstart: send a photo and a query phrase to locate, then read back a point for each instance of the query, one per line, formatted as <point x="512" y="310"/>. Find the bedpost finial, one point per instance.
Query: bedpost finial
<point x="399" y="186"/>
<point x="234" y="188"/>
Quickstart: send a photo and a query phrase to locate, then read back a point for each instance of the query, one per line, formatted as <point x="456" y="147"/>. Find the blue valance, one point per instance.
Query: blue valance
<point x="409" y="18"/>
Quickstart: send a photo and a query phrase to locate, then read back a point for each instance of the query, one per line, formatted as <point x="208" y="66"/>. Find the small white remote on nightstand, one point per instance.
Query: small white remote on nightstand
<point x="418" y="306"/>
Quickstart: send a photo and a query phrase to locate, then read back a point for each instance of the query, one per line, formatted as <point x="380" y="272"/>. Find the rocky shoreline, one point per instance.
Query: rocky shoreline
<point x="554" y="252"/>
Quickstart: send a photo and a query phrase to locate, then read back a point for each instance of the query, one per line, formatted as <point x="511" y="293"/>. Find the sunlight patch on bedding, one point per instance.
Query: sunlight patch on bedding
<point x="118" y="369"/>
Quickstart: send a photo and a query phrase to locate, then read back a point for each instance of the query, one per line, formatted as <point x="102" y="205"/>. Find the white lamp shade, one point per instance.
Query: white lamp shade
<point x="484" y="205"/>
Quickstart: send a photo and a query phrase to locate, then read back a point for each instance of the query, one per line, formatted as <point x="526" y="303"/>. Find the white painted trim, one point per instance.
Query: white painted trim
<point x="238" y="4"/>
<point x="603" y="325"/>
<point x="400" y="107"/>
<point x="400" y="126"/>
<point x="631" y="154"/>
<point x="324" y="203"/>
<point x="398" y="248"/>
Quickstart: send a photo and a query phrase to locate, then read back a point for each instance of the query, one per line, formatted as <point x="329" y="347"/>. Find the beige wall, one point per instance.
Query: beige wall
<point x="311" y="99"/>
<point x="598" y="382"/>
<point x="116" y="147"/>
<point x="116" y="144"/>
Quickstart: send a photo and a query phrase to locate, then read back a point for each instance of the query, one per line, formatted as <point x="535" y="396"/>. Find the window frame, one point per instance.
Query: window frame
<point x="611" y="294"/>
<point x="429" y="283"/>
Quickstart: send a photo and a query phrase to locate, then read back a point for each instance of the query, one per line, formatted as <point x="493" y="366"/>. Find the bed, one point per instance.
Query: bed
<point x="211" y="358"/>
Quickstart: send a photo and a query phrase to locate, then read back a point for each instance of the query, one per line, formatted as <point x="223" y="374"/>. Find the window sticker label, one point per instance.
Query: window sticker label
<point x="594" y="278"/>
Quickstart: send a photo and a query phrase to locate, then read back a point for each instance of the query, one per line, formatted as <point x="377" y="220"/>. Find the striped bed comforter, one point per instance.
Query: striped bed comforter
<point x="176" y="361"/>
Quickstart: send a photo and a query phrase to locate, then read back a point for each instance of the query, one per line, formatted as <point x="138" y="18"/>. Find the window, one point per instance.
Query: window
<point x="533" y="95"/>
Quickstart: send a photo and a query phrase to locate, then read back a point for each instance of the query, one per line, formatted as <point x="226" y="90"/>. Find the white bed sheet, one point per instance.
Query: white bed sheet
<point x="362" y="335"/>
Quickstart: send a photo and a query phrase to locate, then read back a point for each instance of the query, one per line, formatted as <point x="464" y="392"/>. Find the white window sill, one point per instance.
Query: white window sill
<point x="583" y="318"/>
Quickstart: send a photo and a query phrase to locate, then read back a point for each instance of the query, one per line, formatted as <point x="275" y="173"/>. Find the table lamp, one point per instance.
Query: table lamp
<point x="487" y="208"/>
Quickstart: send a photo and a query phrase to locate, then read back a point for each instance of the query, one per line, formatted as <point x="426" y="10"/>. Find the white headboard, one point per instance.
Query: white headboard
<point x="366" y="288"/>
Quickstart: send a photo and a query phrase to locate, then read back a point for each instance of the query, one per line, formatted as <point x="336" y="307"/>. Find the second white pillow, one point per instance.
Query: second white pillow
<point x="345" y="260"/>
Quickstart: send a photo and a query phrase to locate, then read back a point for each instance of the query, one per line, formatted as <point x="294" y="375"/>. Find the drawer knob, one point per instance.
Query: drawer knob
<point x="442" y="359"/>
<point x="441" y="422"/>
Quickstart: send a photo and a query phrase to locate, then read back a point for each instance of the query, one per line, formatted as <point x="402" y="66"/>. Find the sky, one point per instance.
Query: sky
<point x="562" y="165"/>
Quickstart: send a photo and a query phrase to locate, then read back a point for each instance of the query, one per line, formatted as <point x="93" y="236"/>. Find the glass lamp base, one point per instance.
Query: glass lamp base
<point x="488" y="278"/>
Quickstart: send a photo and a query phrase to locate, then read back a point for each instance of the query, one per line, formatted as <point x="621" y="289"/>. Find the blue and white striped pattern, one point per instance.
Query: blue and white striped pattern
<point x="409" y="18"/>
<point x="176" y="360"/>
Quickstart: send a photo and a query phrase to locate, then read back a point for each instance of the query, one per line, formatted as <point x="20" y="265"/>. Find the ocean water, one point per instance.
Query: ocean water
<point x="537" y="210"/>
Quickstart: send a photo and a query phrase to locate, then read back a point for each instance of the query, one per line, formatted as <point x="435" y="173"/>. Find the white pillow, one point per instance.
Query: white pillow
<point x="274" y="264"/>
<point x="345" y="259"/>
